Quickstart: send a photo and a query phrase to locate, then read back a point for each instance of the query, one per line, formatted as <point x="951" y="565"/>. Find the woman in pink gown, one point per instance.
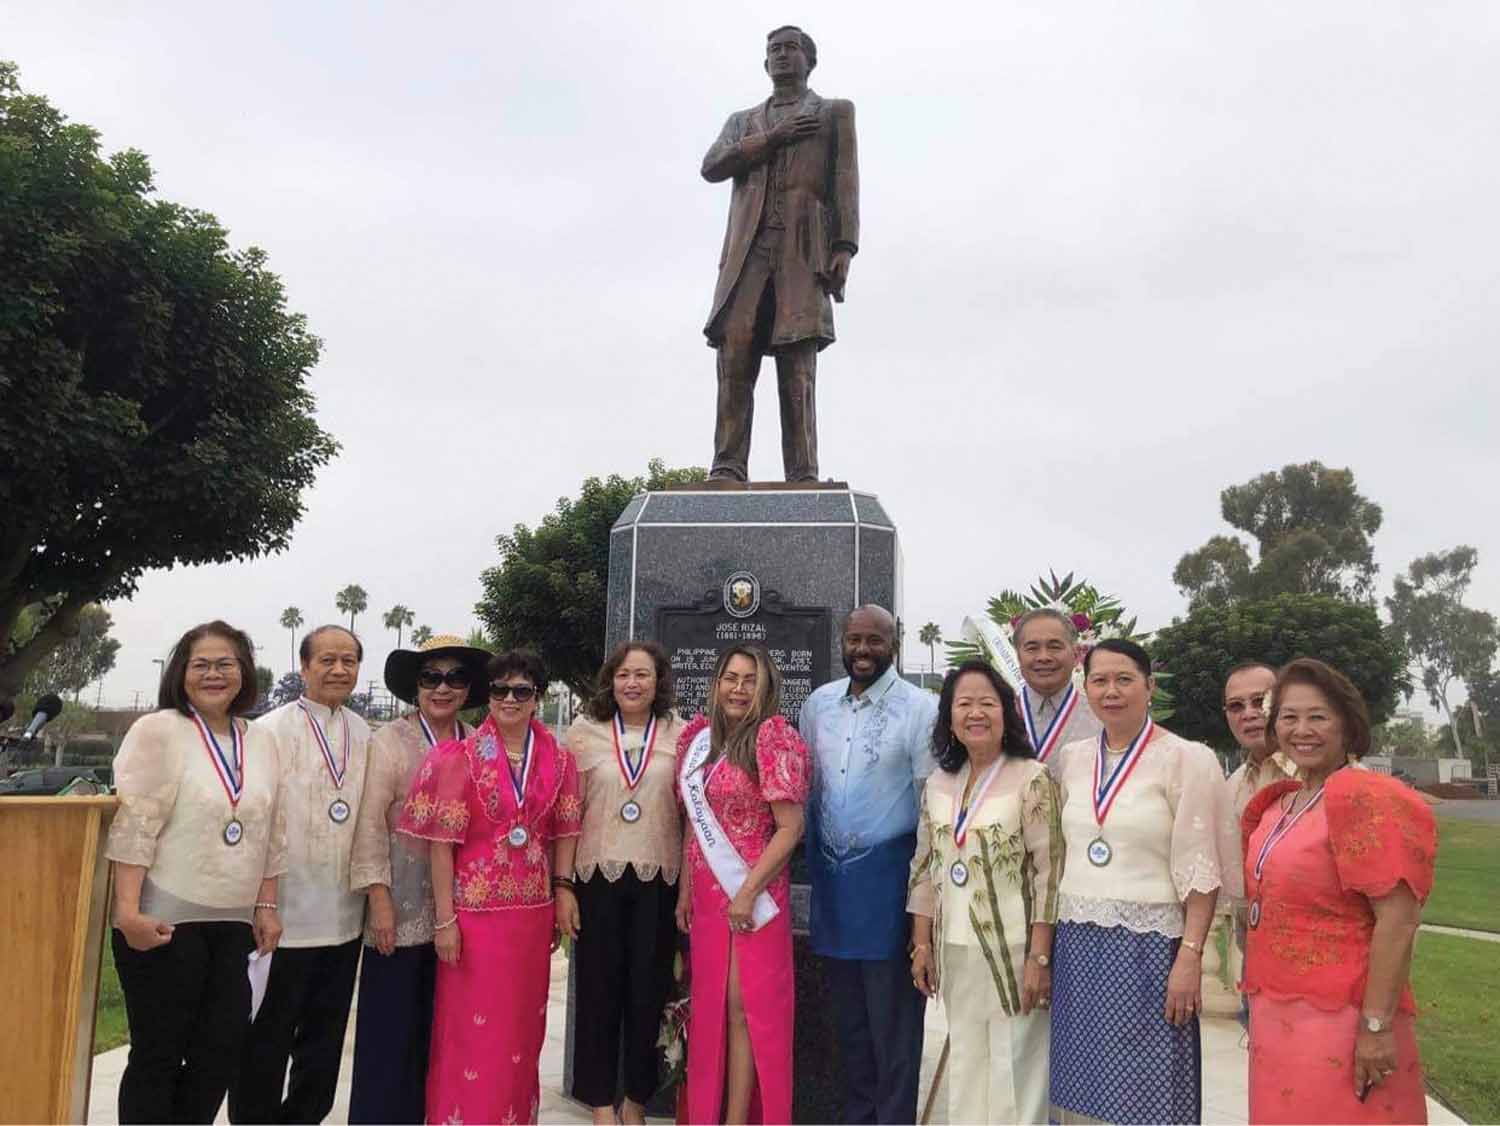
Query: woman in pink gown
<point x="501" y="812"/>
<point x="1336" y="869"/>
<point x="742" y="773"/>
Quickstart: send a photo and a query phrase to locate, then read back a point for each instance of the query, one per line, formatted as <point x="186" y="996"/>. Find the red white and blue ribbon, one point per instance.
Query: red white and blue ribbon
<point x="518" y="781"/>
<point x="432" y="739"/>
<point x="1283" y="827"/>
<point x="633" y="772"/>
<point x="1046" y="743"/>
<point x="335" y="769"/>
<point x="961" y="811"/>
<point x="1106" y="791"/>
<point x="230" y="768"/>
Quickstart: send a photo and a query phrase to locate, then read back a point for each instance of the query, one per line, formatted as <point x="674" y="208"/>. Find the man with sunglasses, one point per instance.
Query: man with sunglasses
<point x="1247" y="694"/>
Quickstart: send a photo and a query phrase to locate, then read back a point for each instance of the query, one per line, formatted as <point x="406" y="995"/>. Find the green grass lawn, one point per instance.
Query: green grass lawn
<point x="1466" y="892"/>
<point x="1456" y="981"/>
<point x="110" y="1030"/>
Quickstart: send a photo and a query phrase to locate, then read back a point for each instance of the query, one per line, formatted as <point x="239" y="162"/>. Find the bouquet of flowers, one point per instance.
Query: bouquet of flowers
<point x="672" y="1038"/>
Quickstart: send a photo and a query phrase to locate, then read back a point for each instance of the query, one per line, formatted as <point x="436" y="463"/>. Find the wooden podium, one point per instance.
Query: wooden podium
<point x="54" y="894"/>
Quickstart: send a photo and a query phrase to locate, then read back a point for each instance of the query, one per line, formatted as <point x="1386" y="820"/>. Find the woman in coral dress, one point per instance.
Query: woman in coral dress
<point x="1336" y="868"/>
<point x="500" y="811"/>
<point x="742" y="776"/>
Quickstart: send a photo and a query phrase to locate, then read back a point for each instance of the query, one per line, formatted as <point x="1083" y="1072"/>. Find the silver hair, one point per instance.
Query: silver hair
<point x="1070" y="631"/>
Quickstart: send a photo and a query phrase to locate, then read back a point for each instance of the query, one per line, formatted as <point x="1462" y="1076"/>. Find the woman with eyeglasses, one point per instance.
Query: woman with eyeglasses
<point x="197" y="845"/>
<point x="393" y="1021"/>
<point x="742" y="775"/>
<point x="628" y="858"/>
<point x="500" y="813"/>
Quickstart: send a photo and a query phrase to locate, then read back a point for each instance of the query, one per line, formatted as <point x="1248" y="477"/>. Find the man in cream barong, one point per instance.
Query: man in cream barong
<point x="323" y="748"/>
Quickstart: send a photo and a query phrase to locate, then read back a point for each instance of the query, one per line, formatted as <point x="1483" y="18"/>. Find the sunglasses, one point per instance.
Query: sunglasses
<point x="518" y="692"/>
<point x="1237" y="707"/>
<point x="453" y="678"/>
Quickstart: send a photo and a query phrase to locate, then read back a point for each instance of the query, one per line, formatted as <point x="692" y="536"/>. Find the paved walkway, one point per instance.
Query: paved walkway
<point x="1462" y="932"/>
<point x="1225" y="1085"/>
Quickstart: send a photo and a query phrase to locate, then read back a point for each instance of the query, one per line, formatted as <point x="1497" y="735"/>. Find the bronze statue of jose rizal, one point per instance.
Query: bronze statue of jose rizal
<point x="793" y="227"/>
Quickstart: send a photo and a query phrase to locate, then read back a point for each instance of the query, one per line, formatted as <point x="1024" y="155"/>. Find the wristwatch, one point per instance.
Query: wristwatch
<point x="1375" y="1024"/>
<point x="1042" y="960"/>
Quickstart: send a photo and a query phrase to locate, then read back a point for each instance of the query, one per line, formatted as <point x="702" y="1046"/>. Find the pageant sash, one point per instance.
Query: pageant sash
<point x="1046" y="742"/>
<point x="728" y="866"/>
<point x="1106" y="791"/>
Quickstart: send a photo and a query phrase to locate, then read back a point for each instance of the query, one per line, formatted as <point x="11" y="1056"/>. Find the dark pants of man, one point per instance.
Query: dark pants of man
<point x="748" y="319"/>
<point x="188" y="1004"/>
<point x="878" y="1014"/>
<point x="393" y="1035"/>
<point x="302" y="1019"/>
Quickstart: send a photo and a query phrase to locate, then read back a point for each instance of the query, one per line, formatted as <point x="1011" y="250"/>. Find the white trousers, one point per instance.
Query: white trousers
<point x="998" y="1065"/>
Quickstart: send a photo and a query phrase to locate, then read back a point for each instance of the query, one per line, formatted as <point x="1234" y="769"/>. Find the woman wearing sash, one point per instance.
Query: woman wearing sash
<point x="1150" y="840"/>
<point x="393" y="1020"/>
<point x="628" y="857"/>
<point x="1337" y="867"/>
<point x="984" y="899"/>
<point x="500" y="813"/>
<point x="742" y="775"/>
<point x="197" y="846"/>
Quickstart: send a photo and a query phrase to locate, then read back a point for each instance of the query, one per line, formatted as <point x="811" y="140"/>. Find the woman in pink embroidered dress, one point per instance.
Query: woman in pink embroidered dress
<point x="742" y="773"/>
<point x="501" y="813"/>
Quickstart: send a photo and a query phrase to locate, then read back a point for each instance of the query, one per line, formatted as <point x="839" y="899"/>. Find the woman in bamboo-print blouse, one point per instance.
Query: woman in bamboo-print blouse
<point x="984" y="899"/>
<point x="1337" y="866"/>
<point x="197" y="846"/>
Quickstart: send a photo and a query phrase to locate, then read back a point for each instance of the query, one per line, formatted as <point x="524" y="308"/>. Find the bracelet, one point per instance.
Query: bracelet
<point x="563" y="882"/>
<point x="266" y="905"/>
<point x="444" y="926"/>
<point x="1195" y="947"/>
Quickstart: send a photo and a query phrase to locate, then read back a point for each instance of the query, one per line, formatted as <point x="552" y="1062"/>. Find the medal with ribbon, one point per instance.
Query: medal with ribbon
<point x="432" y="739"/>
<point x="632" y="772"/>
<point x="338" y="809"/>
<point x="230" y="769"/>
<point x="1107" y="790"/>
<point x="1283" y="827"/>
<point x="518" y="836"/>
<point x="963" y="811"/>
<point x="1046" y="743"/>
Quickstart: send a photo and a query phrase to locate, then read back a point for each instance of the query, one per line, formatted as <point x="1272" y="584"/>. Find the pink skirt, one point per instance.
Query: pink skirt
<point x="490" y="1018"/>
<point x="1302" y="1067"/>
<point x="766" y="984"/>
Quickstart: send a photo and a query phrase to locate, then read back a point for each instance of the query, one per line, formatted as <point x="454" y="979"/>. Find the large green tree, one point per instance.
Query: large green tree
<point x="1199" y="651"/>
<point x="1311" y="528"/>
<point x="1447" y="641"/>
<point x="153" y="381"/>
<point x="79" y="660"/>
<point x="549" y="590"/>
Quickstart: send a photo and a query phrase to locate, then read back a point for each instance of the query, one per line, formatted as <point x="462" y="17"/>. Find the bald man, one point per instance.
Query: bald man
<point x="870" y="735"/>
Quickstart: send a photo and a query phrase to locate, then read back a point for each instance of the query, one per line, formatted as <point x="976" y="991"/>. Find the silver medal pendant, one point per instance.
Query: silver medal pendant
<point x="959" y="873"/>
<point x="338" y="812"/>
<point x="630" y="812"/>
<point x="1254" y="913"/>
<point x="518" y="836"/>
<point x="1099" y="852"/>
<point x="234" y="832"/>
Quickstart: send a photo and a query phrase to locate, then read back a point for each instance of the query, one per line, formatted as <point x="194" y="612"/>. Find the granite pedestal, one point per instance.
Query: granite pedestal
<point x="701" y="566"/>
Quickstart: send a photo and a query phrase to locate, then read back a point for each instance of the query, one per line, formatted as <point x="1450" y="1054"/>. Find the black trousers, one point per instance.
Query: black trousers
<point x="878" y="1014"/>
<point x="303" y="1018"/>
<point x="624" y="966"/>
<point x="188" y="1004"/>
<point x="393" y="1035"/>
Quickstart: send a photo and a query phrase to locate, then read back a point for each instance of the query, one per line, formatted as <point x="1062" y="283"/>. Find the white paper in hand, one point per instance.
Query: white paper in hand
<point x="260" y="973"/>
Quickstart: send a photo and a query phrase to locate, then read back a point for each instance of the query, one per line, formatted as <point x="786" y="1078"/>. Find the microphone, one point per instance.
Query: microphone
<point x="7" y="709"/>
<point x="47" y="709"/>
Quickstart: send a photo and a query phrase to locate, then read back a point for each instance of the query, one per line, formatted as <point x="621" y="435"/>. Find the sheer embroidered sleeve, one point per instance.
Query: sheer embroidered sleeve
<point x="437" y="806"/>
<point x="276" y="851"/>
<point x="1382" y="833"/>
<point x="1204" y="850"/>
<point x="148" y="770"/>
<point x="921" y="897"/>
<point x="567" y="821"/>
<point x="781" y="757"/>
<point x="370" y="853"/>
<point x="1041" y="830"/>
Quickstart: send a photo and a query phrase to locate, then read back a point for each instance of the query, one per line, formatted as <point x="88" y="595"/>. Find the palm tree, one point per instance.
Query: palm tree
<point x="929" y="635"/>
<point x="421" y="636"/>
<point x="352" y="600"/>
<point x="398" y="617"/>
<point x="291" y="618"/>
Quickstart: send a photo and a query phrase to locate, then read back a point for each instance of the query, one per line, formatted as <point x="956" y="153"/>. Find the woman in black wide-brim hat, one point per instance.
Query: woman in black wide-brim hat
<point x="394" y="1017"/>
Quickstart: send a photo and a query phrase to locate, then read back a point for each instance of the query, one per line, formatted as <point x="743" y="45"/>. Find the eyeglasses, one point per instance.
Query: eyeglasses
<point x="518" y="692"/>
<point x="453" y="678"/>
<point x="730" y="681"/>
<point x="1237" y="707"/>
<point x="202" y="666"/>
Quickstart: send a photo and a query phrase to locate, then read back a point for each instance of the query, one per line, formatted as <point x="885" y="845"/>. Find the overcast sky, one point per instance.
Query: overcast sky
<point x="1113" y="258"/>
